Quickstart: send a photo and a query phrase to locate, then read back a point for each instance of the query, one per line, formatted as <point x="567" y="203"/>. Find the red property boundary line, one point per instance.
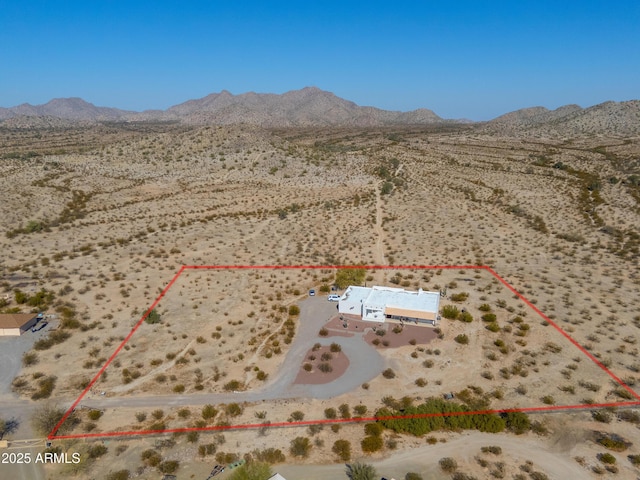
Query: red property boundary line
<point x="52" y="435"/>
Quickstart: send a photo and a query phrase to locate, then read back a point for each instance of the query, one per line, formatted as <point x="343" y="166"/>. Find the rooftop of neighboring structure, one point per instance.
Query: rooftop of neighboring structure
<point x="15" y="320"/>
<point x="277" y="476"/>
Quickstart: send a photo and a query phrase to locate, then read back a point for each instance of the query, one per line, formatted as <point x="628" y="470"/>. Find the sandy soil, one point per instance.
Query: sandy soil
<point x="116" y="214"/>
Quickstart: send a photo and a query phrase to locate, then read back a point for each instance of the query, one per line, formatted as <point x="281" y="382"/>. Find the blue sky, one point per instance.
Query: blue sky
<point x="462" y="59"/>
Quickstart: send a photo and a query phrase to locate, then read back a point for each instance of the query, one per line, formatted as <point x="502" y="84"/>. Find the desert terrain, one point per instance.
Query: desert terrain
<point x="99" y="219"/>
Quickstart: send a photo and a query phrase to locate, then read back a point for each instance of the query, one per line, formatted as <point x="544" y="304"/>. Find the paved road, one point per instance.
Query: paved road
<point x="11" y="351"/>
<point x="16" y="410"/>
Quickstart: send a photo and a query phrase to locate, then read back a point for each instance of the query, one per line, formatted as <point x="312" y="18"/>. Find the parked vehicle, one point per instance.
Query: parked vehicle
<point x="39" y="326"/>
<point x="312" y="293"/>
<point x="333" y="298"/>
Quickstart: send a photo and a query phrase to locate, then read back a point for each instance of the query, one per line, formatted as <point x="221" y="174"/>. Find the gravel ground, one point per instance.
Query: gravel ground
<point x="11" y="351"/>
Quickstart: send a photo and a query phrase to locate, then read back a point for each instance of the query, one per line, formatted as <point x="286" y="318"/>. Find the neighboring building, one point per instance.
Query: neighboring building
<point x="378" y="304"/>
<point x="277" y="476"/>
<point x="15" y="324"/>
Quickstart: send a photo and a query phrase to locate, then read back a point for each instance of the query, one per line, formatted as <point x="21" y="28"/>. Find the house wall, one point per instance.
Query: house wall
<point x="403" y="312"/>
<point x="10" y="332"/>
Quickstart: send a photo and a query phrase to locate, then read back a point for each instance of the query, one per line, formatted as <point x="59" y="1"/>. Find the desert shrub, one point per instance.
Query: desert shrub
<point x="233" y="385"/>
<point x="269" y="455"/>
<point x="94" y="414"/>
<point x="208" y="449"/>
<point x="252" y="471"/>
<point x="96" y="451"/>
<point x="315" y="428"/>
<point x="297" y="416"/>
<point x="465" y="317"/>
<point x="459" y="297"/>
<point x="421" y="382"/>
<point x="345" y="411"/>
<point x="623" y="393"/>
<point x="450" y="311"/>
<point x="492" y="449"/>
<point x="634" y="459"/>
<point x="424" y="425"/>
<point x="489" y="317"/>
<point x="335" y="348"/>
<point x="371" y="443"/>
<point x="157" y="414"/>
<point x="307" y="367"/>
<point x="157" y="426"/>
<point x="118" y="475"/>
<point x="326" y="356"/>
<point x="485" y="307"/>
<point x="330" y="413"/>
<point x="209" y="412"/>
<point x="373" y="429"/>
<point x="150" y="458"/>
<point x="462" y="339"/>
<point x="55" y="337"/>
<point x="349" y="276"/>
<point x="300" y="447"/>
<point x="613" y="442"/>
<point x="325" y="368"/>
<point x="413" y="476"/>
<point x="29" y="359"/>
<point x="517" y="422"/>
<point x="323" y="332"/>
<point x="553" y="347"/>
<point x="629" y="416"/>
<point x="448" y="464"/>
<point x="45" y="388"/>
<point x="607" y="458"/>
<point x="169" y="466"/>
<point x="538" y="476"/>
<point x="342" y="448"/>
<point x="389" y="373"/>
<point x="224" y="457"/>
<point x="360" y="409"/>
<point x="153" y="317"/>
<point x="601" y="416"/>
<point x="361" y="471"/>
<point x="141" y="416"/>
<point x="493" y="327"/>
<point x="233" y="410"/>
<point x="294" y="310"/>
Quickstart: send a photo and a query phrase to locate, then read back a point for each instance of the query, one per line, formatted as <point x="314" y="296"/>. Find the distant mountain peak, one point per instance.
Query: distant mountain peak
<point x="311" y="106"/>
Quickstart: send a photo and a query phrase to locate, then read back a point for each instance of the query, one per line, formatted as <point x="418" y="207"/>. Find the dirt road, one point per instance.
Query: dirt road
<point x="424" y="460"/>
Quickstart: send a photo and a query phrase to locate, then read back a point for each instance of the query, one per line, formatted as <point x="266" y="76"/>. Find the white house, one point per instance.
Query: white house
<point x="378" y="304"/>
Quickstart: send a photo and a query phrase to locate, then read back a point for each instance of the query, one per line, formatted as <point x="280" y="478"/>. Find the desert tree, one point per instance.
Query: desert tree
<point x="252" y="471"/>
<point x="361" y="471"/>
<point x="46" y="417"/>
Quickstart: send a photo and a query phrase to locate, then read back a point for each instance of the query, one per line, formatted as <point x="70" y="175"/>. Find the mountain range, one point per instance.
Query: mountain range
<point x="313" y="107"/>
